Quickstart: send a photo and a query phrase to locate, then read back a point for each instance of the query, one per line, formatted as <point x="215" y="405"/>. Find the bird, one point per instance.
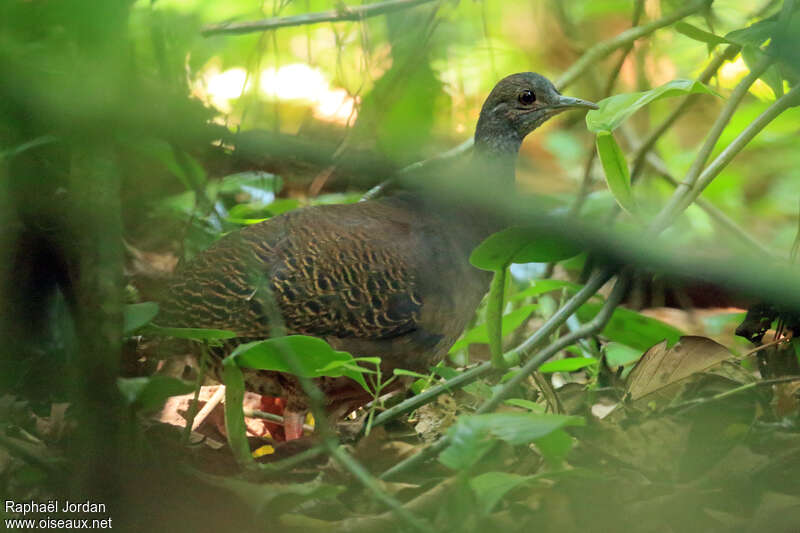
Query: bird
<point x="388" y="277"/>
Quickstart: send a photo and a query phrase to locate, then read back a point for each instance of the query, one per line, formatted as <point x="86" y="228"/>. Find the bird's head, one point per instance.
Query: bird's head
<point x="517" y="105"/>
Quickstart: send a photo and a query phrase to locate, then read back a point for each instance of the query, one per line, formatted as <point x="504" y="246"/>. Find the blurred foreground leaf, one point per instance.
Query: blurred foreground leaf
<point x="520" y="245"/>
<point x="150" y="393"/>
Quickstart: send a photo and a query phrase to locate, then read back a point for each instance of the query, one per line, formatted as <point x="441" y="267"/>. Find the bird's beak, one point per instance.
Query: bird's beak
<point x="568" y="101"/>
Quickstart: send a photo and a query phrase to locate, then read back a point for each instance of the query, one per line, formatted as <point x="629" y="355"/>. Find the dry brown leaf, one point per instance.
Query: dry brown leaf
<point x="660" y="366"/>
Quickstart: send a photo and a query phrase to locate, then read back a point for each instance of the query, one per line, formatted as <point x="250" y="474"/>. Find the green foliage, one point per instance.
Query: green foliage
<point x="615" y="167"/>
<point x="520" y="245"/>
<point x="631" y="328"/>
<point x="616" y="109"/>
<point x="479" y="334"/>
<point x="473" y="436"/>
<point x="313" y="358"/>
<point x="137" y="315"/>
<point x="148" y="394"/>
<point x="570" y="364"/>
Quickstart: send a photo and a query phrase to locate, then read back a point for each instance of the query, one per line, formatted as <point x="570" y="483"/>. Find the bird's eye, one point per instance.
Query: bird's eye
<point x="526" y="97"/>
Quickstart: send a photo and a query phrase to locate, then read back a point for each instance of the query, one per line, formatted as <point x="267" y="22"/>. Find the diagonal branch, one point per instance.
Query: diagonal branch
<point x="343" y="13"/>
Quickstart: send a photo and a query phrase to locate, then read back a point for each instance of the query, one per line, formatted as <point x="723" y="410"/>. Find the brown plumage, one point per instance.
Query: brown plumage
<point x="387" y="277"/>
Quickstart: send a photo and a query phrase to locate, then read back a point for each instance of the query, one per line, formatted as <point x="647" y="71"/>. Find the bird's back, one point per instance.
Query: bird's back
<point x="385" y="276"/>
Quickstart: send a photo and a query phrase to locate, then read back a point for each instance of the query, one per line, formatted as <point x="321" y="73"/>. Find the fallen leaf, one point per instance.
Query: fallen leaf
<point x="660" y="366"/>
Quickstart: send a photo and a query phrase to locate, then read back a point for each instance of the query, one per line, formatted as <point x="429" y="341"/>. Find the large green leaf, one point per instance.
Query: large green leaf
<point x="137" y="315"/>
<point x="755" y="34"/>
<point x="313" y="358"/>
<point x="631" y="328"/>
<point x="771" y="76"/>
<point x="615" y="109"/>
<point x="520" y="245"/>
<point x="150" y="393"/>
<point x="615" y="168"/>
<point x="480" y="334"/>
<point x="472" y="436"/>
<point x="490" y="487"/>
<point x="570" y="364"/>
<point x="235" y="426"/>
<point x="693" y="32"/>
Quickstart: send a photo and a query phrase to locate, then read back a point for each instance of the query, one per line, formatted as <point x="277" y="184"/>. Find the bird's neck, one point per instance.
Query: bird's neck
<point x="496" y="149"/>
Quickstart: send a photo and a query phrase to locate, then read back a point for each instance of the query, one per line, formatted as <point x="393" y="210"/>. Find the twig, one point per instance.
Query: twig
<point x="278" y="419"/>
<point x="722" y="395"/>
<point x="343" y="13"/>
<point x="192" y="412"/>
<point x="212" y="402"/>
<point x="605" y="48"/>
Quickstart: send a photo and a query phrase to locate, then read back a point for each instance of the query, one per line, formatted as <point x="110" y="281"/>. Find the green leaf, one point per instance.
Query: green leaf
<point x="772" y="76"/>
<point x="490" y="488"/>
<point x="195" y="334"/>
<point x="755" y="34"/>
<point x="615" y="109"/>
<point x="150" y="393"/>
<point x="472" y="436"/>
<point x="693" y="32"/>
<point x="137" y="315"/>
<point x="615" y="168"/>
<point x="570" y="364"/>
<point x="314" y="358"/>
<point x="620" y="355"/>
<point x="541" y="286"/>
<point x="520" y="245"/>
<point x="555" y="447"/>
<point x="480" y="335"/>
<point x="234" y="414"/>
<point x="631" y="328"/>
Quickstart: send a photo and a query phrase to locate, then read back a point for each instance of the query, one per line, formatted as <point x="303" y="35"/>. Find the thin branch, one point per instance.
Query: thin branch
<point x="604" y="49"/>
<point x="685" y="406"/>
<point x="342" y="13"/>
<point x="716" y="214"/>
<point x="277" y="419"/>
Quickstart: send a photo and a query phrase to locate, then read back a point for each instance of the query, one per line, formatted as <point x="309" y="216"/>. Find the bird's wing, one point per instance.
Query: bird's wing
<point x="341" y="271"/>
